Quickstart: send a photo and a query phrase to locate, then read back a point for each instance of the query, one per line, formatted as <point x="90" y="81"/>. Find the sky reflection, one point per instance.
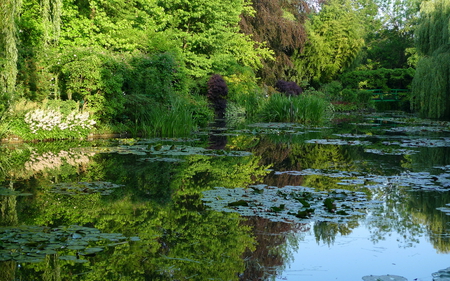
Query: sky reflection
<point x="353" y="256"/>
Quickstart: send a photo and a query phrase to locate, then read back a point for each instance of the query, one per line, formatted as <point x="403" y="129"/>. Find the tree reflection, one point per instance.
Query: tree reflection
<point x="326" y="231"/>
<point x="159" y="202"/>
<point x="272" y="248"/>
<point x="423" y="206"/>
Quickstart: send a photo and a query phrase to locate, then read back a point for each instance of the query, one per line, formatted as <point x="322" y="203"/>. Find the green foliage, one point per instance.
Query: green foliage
<point x="391" y="36"/>
<point x="50" y="120"/>
<point x="9" y="14"/>
<point x="431" y="87"/>
<point x="244" y="95"/>
<point x="170" y="121"/>
<point x="335" y="37"/>
<point x="382" y="78"/>
<point x="158" y="77"/>
<point x="280" y="23"/>
<point x="207" y="32"/>
<point x="94" y="80"/>
<point x="306" y="108"/>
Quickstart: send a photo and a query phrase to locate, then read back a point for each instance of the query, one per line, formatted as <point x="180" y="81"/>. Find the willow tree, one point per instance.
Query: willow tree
<point x="431" y="84"/>
<point x="9" y="12"/>
<point x="51" y="19"/>
<point x="335" y="37"/>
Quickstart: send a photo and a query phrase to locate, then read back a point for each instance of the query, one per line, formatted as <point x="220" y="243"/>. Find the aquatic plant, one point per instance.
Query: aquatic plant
<point x="34" y="243"/>
<point x="303" y="109"/>
<point x="170" y="121"/>
<point x="76" y="188"/>
<point x="289" y="203"/>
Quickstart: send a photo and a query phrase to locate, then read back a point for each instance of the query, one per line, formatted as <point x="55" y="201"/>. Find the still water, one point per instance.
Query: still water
<point x="368" y="195"/>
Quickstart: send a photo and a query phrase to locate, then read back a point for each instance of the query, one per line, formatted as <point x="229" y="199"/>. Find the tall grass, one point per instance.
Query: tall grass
<point x="175" y="120"/>
<point x="307" y="109"/>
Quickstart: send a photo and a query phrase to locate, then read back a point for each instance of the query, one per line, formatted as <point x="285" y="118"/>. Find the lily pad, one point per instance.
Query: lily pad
<point x="338" y="142"/>
<point x="442" y="275"/>
<point x="289" y="203"/>
<point x="9" y="192"/>
<point x="390" y="151"/>
<point x="33" y="243"/>
<point x="102" y="187"/>
<point x="384" y="278"/>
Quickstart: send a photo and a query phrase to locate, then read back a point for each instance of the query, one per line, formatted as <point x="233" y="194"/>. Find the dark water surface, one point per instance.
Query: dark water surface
<point x="368" y="196"/>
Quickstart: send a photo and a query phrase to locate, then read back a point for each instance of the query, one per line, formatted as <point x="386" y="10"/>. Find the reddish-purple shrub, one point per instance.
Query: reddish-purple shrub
<point x="217" y="93"/>
<point x="288" y="88"/>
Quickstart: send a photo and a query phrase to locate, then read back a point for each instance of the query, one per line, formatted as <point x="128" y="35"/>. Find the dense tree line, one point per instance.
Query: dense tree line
<point x="118" y="59"/>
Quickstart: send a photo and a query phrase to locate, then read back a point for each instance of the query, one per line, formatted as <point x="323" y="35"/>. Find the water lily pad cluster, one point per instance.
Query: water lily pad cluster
<point x="446" y="210"/>
<point x="415" y="129"/>
<point x="166" y="151"/>
<point x="297" y="204"/>
<point x="390" y="151"/>
<point x="277" y="125"/>
<point x="74" y="188"/>
<point x="33" y="243"/>
<point x="415" y="180"/>
<point x="423" y="181"/>
<point x="442" y="275"/>
<point x="10" y="192"/>
<point x="338" y="142"/>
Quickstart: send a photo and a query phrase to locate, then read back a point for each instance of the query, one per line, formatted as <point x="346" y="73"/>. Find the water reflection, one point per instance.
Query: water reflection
<point x="170" y="234"/>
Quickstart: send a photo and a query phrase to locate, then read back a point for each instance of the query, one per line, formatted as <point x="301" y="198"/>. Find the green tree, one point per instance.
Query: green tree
<point x="9" y="13"/>
<point x="431" y="87"/>
<point x="280" y="23"/>
<point x="208" y="34"/>
<point x="390" y="43"/>
<point x="335" y="37"/>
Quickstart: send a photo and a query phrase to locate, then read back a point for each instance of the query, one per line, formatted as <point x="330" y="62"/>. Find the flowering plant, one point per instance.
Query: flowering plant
<point x="51" y="123"/>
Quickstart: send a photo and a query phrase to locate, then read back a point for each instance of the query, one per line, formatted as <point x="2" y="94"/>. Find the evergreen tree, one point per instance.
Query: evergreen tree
<point x="431" y="84"/>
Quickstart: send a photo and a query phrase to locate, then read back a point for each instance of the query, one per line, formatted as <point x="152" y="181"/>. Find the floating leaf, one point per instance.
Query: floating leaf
<point x="102" y="187"/>
<point x="33" y="243"/>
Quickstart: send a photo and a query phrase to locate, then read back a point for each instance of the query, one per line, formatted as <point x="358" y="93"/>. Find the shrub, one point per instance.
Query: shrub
<point x="217" y="93"/>
<point x="288" y="88"/>
<point x="94" y="80"/>
<point x="158" y="77"/>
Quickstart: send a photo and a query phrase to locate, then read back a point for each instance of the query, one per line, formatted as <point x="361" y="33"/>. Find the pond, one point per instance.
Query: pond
<point x="365" y="198"/>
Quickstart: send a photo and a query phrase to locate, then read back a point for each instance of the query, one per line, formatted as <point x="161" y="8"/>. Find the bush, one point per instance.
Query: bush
<point x="288" y="88"/>
<point x="217" y="93"/>
<point x="158" y="77"/>
<point x="94" y="80"/>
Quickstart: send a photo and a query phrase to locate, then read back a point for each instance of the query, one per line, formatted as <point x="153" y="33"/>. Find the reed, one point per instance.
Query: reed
<point x="307" y="109"/>
<point x="170" y="121"/>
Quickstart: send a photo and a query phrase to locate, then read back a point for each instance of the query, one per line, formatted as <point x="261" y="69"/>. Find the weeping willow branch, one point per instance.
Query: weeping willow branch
<point x="431" y="86"/>
<point x="9" y="11"/>
<point x="51" y="20"/>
